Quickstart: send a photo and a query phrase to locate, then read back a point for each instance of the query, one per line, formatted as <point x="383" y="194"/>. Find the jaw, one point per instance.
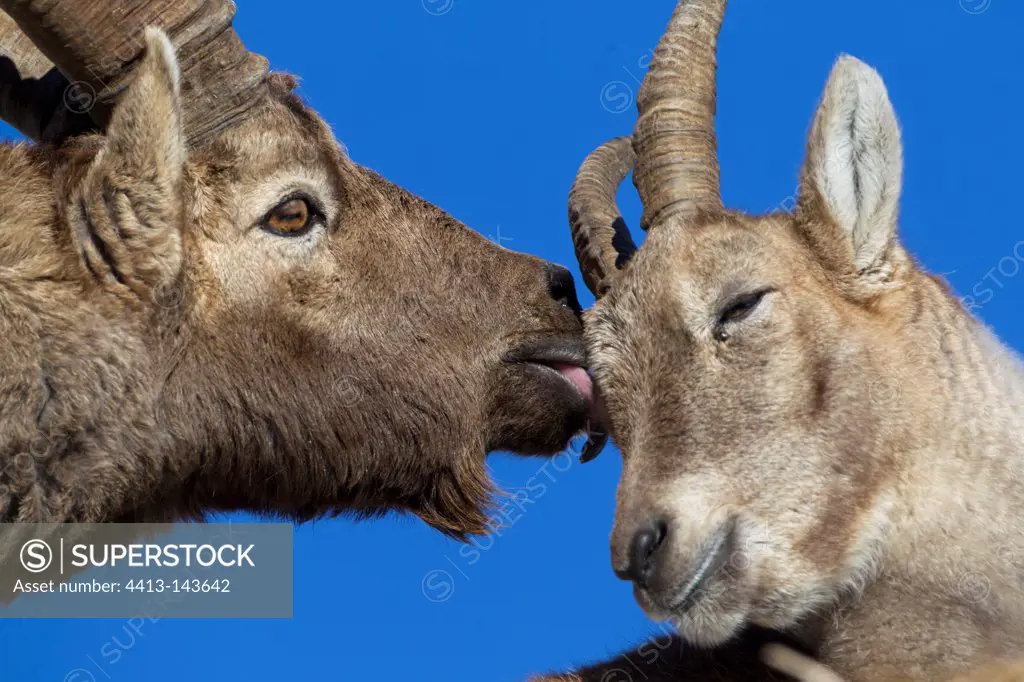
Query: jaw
<point x="709" y="629"/>
<point x="537" y="413"/>
<point x="543" y="398"/>
<point x="713" y="615"/>
<point x="364" y="434"/>
<point x="727" y="606"/>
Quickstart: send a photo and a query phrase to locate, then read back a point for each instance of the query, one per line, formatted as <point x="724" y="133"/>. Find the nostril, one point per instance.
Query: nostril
<point x="642" y="553"/>
<point x="562" y="288"/>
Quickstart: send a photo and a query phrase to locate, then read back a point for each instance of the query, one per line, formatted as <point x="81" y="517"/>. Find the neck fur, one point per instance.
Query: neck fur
<point x="950" y="529"/>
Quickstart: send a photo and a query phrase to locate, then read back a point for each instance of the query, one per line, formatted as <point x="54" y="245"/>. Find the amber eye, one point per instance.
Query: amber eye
<point x="290" y="218"/>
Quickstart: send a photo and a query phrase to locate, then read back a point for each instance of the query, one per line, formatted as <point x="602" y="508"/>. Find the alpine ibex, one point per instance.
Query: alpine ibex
<point x="818" y="440"/>
<point x="205" y="305"/>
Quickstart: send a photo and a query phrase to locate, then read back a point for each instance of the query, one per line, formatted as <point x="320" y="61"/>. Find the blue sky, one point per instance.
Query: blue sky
<point x="487" y="108"/>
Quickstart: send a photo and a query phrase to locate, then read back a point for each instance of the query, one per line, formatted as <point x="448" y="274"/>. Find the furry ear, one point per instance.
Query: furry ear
<point x="126" y="213"/>
<point x="852" y="177"/>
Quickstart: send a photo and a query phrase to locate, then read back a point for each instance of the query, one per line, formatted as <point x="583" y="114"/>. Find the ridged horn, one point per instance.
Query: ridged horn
<point x="32" y="90"/>
<point x="677" y="153"/>
<point x="599" y="233"/>
<point x="96" y="44"/>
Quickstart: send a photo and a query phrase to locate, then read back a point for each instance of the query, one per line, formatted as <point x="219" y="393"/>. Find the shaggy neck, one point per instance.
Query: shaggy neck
<point x="84" y="440"/>
<point x="80" y="438"/>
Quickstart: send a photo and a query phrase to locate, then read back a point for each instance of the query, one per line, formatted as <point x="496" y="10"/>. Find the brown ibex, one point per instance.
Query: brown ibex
<point x="818" y="440"/>
<point x="205" y="305"/>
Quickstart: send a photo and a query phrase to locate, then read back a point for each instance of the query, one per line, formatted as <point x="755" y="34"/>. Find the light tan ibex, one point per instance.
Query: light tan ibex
<point x="205" y="305"/>
<point x="817" y="438"/>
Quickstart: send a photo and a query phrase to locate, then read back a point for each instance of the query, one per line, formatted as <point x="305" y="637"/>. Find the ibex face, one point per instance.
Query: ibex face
<point x="295" y="334"/>
<point x="741" y="357"/>
<point x="389" y="330"/>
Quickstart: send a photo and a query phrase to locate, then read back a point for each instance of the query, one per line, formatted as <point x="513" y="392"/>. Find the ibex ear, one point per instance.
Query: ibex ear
<point x="126" y="213"/>
<point x="852" y="177"/>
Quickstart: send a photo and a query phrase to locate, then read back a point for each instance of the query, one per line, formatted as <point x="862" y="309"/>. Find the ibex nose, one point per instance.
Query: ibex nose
<point x="643" y="551"/>
<point x="562" y="288"/>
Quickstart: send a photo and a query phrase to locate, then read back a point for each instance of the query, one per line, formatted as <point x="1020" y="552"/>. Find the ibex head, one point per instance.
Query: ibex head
<point x="311" y="338"/>
<point x="746" y="360"/>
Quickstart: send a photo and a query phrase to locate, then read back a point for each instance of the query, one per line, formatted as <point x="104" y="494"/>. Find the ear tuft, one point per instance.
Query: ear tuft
<point x="852" y="177"/>
<point x="160" y="51"/>
<point x="126" y="213"/>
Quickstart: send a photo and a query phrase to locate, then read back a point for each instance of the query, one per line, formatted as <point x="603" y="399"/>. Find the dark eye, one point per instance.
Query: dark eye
<point x="291" y="218"/>
<point x="741" y="307"/>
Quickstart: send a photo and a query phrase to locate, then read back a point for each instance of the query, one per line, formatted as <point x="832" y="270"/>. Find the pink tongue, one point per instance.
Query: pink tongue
<point x="580" y="379"/>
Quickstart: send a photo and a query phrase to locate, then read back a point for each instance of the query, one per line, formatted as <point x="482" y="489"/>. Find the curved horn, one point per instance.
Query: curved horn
<point x="16" y="46"/>
<point x="97" y="42"/>
<point x="32" y="91"/>
<point x="677" y="156"/>
<point x="602" y="239"/>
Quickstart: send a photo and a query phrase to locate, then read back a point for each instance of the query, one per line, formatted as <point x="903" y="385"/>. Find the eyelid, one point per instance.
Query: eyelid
<point x="314" y="203"/>
<point x="752" y="299"/>
<point x="284" y="185"/>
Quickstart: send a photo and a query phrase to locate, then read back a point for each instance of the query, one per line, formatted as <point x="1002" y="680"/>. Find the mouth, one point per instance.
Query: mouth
<point x="563" y="360"/>
<point x="713" y="557"/>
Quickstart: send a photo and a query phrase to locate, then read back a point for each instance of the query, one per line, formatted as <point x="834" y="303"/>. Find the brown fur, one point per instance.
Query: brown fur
<point x="853" y="439"/>
<point x="165" y="357"/>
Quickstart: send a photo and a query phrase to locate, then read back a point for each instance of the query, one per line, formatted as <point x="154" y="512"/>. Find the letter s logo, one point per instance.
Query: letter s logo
<point x="36" y="556"/>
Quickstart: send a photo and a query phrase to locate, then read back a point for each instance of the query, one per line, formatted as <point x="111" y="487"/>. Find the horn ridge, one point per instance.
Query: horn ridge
<point x="222" y="80"/>
<point x="674" y="139"/>
<point x="600" y="235"/>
